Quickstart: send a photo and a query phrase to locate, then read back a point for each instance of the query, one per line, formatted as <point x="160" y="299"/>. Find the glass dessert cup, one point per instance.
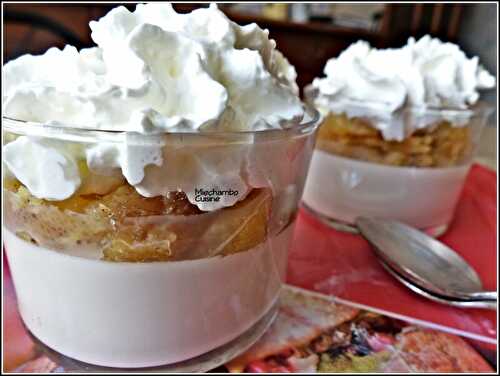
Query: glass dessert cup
<point x="356" y="172"/>
<point x="116" y="279"/>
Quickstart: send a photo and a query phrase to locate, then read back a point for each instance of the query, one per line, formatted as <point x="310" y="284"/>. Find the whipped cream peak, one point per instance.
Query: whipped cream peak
<point x="425" y="73"/>
<point x="175" y="72"/>
<point x="152" y="71"/>
<point x="46" y="167"/>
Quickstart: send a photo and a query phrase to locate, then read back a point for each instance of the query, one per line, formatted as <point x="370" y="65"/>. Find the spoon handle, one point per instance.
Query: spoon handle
<point x="487" y="304"/>
<point x="484" y="295"/>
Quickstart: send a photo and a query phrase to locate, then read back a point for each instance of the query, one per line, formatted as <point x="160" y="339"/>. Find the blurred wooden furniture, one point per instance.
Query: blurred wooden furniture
<point x="437" y="19"/>
<point x="32" y="28"/>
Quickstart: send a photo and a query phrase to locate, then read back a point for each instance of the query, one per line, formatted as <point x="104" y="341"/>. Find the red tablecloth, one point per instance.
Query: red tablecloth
<point x="343" y="264"/>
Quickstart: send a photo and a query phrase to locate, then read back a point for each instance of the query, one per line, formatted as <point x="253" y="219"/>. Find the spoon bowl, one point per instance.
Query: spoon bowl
<point x="484" y="304"/>
<point x="423" y="260"/>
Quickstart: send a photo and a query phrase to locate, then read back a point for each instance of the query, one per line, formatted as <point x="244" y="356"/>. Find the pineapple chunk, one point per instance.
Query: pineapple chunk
<point x="156" y="247"/>
<point x="249" y="219"/>
<point x="131" y="228"/>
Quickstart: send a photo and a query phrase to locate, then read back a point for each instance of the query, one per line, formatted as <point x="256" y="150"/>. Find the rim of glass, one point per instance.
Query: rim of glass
<point x="480" y="108"/>
<point x="307" y="125"/>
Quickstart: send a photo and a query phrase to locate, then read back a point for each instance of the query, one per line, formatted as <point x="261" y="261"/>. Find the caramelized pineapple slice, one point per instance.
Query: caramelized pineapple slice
<point x="226" y="231"/>
<point x="442" y="145"/>
<point x="125" y="203"/>
<point x="75" y="203"/>
<point x="157" y="246"/>
<point x="248" y="220"/>
<point x="186" y="237"/>
<point x="132" y="228"/>
<point x="11" y="184"/>
<point x="96" y="184"/>
<point x="140" y="234"/>
<point x="229" y="230"/>
<point x="49" y="226"/>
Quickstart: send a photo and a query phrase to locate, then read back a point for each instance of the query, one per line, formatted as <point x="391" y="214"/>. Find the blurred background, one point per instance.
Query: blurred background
<point x="308" y="34"/>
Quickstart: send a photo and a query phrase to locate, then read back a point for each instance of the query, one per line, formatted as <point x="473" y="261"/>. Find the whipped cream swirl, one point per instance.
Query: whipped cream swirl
<point x="156" y="70"/>
<point x="153" y="71"/>
<point x="423" y="74"/>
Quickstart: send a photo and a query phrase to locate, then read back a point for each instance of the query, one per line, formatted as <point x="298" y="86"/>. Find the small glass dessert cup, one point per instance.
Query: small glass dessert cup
<point x="117" y="279"/>
<point x="356" y="172"/>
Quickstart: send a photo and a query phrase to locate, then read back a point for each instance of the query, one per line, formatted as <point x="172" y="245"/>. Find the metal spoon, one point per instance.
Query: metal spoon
<point x="424" y="262"/>
<point x="486" y="304"/>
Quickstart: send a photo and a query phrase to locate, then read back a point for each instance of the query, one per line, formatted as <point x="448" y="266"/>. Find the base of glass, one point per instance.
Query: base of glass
<point x="202" y="363"/>
<point x="434" y="231"/>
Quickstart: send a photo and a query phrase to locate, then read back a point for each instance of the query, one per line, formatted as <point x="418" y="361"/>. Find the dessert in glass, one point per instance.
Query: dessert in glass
<point x="151" y="185"/>
<point x="398" y="134"/>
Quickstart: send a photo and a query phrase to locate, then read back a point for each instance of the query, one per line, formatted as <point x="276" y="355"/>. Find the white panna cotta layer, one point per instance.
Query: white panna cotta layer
<point x="143" y="314"/>
<point x="343" y="189"/>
